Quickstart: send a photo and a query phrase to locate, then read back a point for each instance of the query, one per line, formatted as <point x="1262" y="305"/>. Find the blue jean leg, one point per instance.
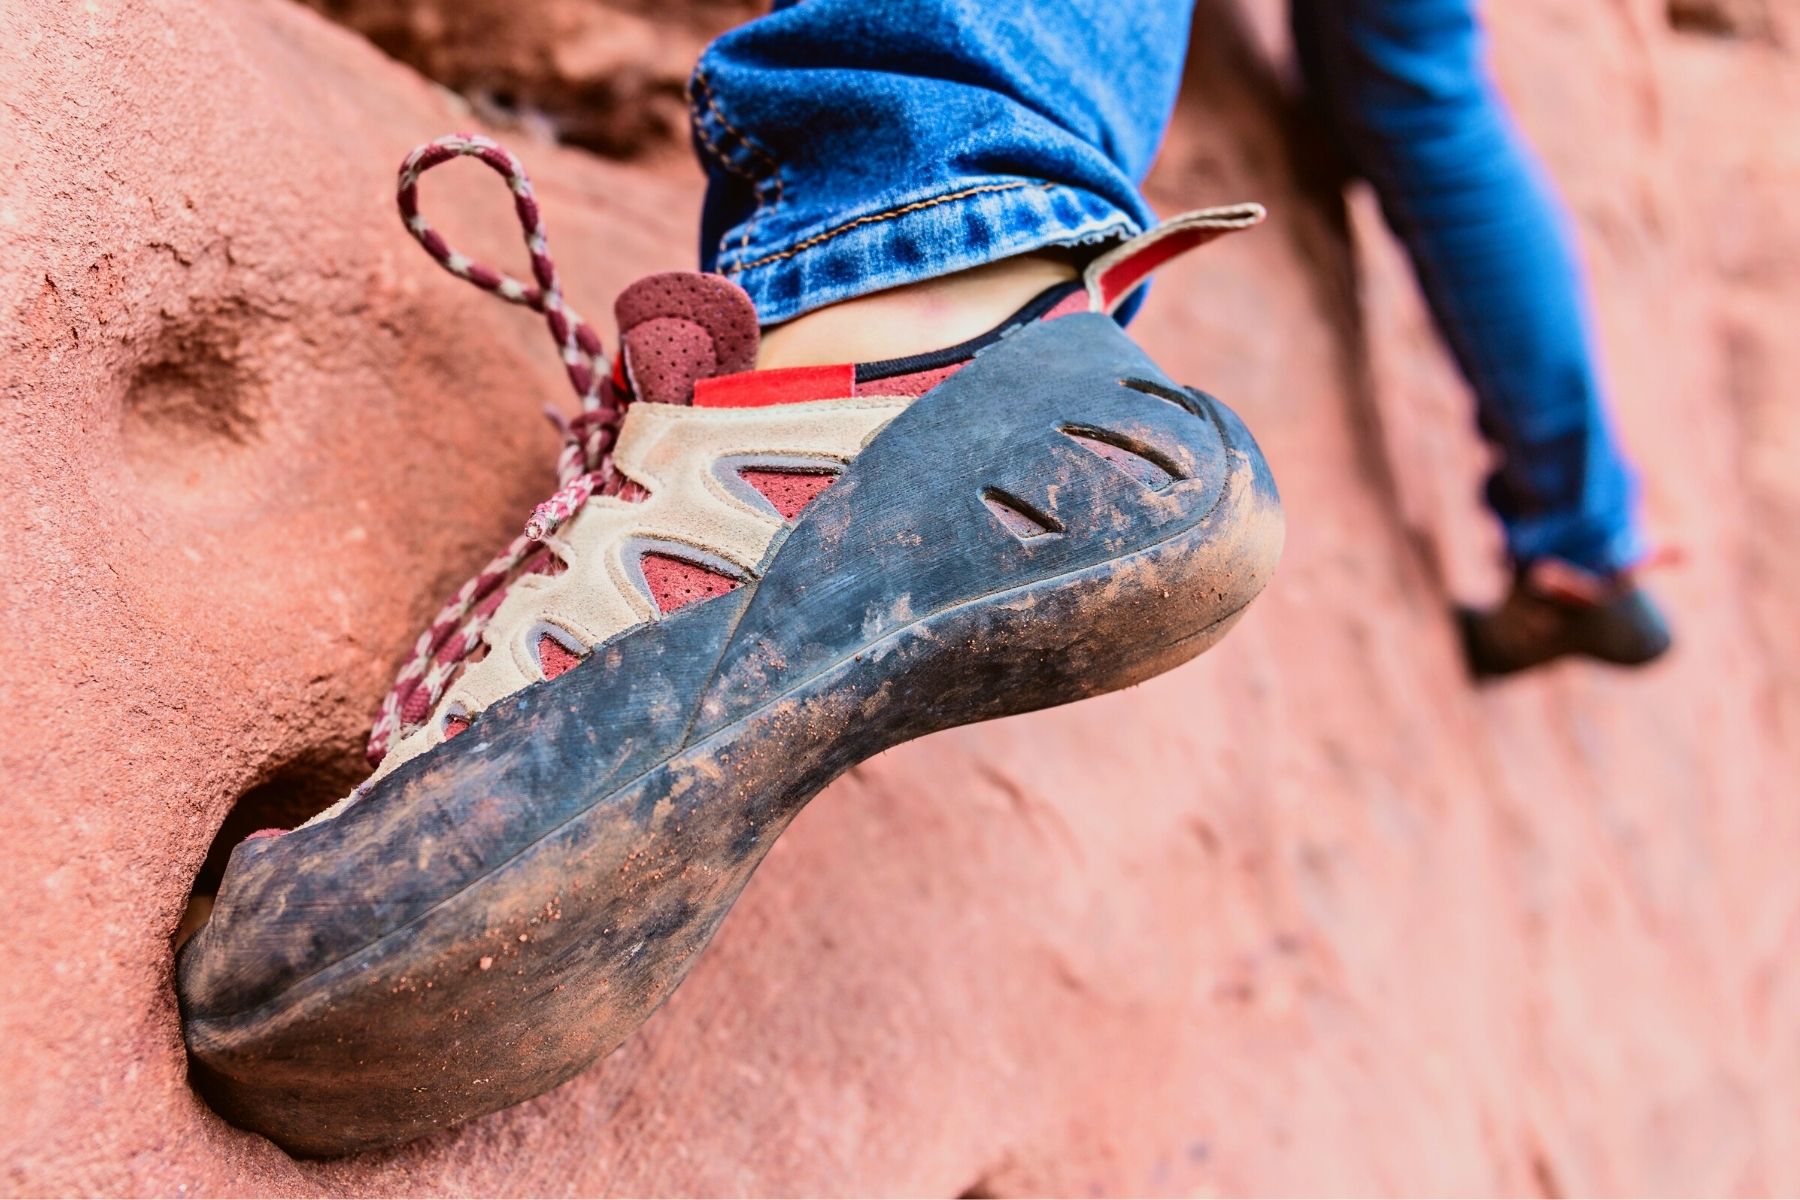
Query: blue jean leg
<point x="1406" y="86"/>
<point x="853" y="146"/>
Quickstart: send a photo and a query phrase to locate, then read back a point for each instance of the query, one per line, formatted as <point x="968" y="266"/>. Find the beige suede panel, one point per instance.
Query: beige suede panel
<point x="683" y="457"/>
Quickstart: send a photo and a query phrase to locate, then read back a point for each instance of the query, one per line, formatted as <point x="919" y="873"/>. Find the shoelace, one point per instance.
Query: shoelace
<point x="583" y="466"/>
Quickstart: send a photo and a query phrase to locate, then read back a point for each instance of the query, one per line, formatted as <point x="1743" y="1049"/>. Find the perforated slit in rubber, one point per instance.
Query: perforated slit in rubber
<point x="1022" y="520"/>
<point x="1149" y="387"/>
<point x="1146" y="464"/>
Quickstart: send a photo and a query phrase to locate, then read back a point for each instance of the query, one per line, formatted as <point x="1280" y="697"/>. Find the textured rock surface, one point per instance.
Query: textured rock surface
<point x="1308" y="915"/>
<point x="608" y="75"/>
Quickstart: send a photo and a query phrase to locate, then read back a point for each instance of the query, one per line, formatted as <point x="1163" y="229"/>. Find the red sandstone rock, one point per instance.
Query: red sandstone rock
<point x="1308" y="915"/>
<point x="607" y="75"/>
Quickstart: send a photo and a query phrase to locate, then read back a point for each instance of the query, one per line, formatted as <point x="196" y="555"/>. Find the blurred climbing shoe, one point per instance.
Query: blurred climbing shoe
<point x="1556" y="610"/>
<point x="748" y="582"/>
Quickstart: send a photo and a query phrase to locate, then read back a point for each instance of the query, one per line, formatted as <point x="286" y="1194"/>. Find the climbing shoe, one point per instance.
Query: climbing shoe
<point x="747" y="583"/>
<point x="1556" y="610"/>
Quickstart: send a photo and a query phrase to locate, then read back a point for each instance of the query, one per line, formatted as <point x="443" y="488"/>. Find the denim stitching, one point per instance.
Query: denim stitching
<point x="757" y="185"/>
<point x="872" y="218"/>
<point x="699" y="122"/>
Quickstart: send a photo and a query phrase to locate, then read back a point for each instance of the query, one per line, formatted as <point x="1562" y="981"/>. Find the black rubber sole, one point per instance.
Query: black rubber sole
<point x="498" y="914"/>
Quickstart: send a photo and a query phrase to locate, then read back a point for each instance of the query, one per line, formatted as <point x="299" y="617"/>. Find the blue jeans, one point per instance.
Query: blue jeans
<point x="855" y="145"/>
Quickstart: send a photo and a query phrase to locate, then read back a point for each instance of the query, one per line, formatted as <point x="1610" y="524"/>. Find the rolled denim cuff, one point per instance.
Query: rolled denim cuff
<point x="951" y="228"/>
<point x="1604" y="541"/>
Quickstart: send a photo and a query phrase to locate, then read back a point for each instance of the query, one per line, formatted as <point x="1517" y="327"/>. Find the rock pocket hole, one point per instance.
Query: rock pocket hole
<point x="291" y="795"/>
<point x="1748" y="19"/>
<point x="187" y="401"/>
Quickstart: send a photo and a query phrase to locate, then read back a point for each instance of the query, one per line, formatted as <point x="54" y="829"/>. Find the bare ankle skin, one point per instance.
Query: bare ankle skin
<point x="913" y="319"/>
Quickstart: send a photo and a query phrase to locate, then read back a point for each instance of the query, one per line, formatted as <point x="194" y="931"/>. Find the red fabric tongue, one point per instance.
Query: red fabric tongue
<point x="678" y="328"/>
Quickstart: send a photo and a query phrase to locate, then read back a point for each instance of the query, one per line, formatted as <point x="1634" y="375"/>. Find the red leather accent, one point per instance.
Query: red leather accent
<point x="1128" y="272"/>
<point x="915" y="384"/>
<point x="1075" y="302"/>
<point x="455" y="725"/>
<point x="788" y="491"/>
<point x="626" y="489"/>
<point x="554" y="658"/>
<point x="791" y="385"/>
<point x="666" y="356"/>
<point x="680" y="327"/>
<point x="676" y="582"/>
<point x="711" y="303"/>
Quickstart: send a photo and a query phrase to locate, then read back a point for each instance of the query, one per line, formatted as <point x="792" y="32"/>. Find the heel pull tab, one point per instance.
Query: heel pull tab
<point x="1121" y="270"/>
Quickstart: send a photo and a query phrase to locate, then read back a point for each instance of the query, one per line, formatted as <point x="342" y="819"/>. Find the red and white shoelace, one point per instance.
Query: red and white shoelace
<point x="583" y="467"/>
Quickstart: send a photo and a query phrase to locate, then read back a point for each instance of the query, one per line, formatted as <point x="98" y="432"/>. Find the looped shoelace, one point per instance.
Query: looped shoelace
<point x="583" y="466"/>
